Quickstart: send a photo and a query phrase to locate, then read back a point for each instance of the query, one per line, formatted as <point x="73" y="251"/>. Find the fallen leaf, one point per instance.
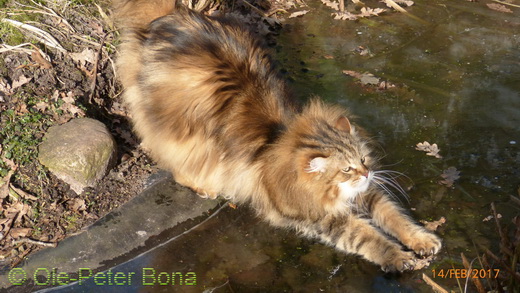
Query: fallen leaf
<point x="76" y="204"/>
<point x="432" y="226"/>
<point x="41" y="106"/>
<point x="365" y="78"/>
<point x="333" y="5"/>
<point x="499" y="7"/>
<point x="22" y="193"/>
<point x="430" y="149"/>
<point x="449" y="176"/>
<point x="232" y="205"/>
<point x="345" y="16"/>
<point x="38" y="58"/>
<point x="87" y="55"/>
<point x="68" y="98"/>
<point x="402" y="2"/>
<point x="19" y="232"/>
<point x="19" y="82"/>
<point x="368" y="12"/>
<point x="298" y="13"/>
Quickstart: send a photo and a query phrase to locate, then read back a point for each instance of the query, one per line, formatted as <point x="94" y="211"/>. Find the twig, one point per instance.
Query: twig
<point x="254" y="8"/>
<point x="476" y="281"/>
<point x="95" y="69"/>
<point x="44" y="36"/>
<point x="19" y="48"/>
<point x="395" y="6"/>
<point x="391" y="3"/>
<point x="504" y="265"/>
<point x="505" y="3"/>
<point x="436" y="287"/>
<point x="35" y="242"/>
<point x="342" y="5"/>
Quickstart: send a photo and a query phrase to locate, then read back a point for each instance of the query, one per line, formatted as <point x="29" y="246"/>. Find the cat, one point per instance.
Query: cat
<point x="209" y="105"/>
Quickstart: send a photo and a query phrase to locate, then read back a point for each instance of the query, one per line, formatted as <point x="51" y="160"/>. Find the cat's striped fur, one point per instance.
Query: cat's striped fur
<point x="208" y="104"/>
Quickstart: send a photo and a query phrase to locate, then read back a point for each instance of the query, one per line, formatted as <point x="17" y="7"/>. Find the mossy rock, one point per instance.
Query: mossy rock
<point x="78" y="152"/>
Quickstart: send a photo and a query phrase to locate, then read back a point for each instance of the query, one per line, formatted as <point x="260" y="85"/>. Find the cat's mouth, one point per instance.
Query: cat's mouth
<point x="352" y="188"/>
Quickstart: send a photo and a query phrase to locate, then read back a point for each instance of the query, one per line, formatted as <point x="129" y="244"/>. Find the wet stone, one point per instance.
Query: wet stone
<point x="78" y="152"/>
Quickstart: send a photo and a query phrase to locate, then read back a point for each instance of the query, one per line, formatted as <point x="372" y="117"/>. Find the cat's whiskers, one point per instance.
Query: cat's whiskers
<point x="387" y="178"/>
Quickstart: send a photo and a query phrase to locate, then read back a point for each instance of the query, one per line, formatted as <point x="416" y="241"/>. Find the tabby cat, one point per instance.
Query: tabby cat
<point x="207" y="102"/>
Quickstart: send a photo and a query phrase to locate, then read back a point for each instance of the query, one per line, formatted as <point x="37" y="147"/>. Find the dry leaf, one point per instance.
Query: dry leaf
<point x="499" y="216"/>
<point x="87" y="55"/>
<point x="430" y="149"/>
<point x="22" y="193"/>
<point x="76" y="204"/>
<point x="344" y="16"/>
<point x="449" y="176"/>
<point x="21" y="81"/>
<point x="41" y="106"/>
<point x="333" y="5"/>
<point x="365" y="78"/>
<point x="404" y="2"/>
<point x="68" y="98"/>
<point x="499" y="7"/>
<point x="19" y="232"/>
<point x="432" y="226"/>
<point x="401" y="2"/>
<point x="368" y="12"/>
<point x="38" y="58"/>
<point x="298" y="13"/>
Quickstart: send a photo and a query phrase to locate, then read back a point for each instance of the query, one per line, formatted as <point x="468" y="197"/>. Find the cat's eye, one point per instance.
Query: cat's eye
<point x="346" y="170"/>
<point x="362" y="160"/>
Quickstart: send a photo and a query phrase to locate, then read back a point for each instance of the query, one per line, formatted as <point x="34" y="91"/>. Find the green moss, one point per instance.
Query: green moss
<point x="20" y="134"/>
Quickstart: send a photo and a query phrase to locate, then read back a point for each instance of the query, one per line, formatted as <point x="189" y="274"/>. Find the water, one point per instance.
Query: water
<point x="457" y="78"/>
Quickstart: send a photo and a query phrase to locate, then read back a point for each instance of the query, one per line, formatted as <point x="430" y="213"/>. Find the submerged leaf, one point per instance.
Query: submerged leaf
<point x="449" y="176"/>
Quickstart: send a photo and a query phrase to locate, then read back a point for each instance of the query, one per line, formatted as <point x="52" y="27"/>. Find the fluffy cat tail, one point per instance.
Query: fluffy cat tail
<point x="137" y="14"/>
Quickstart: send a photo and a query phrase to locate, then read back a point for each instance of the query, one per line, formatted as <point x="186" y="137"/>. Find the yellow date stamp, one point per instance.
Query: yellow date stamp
<point x="466" y="273"/>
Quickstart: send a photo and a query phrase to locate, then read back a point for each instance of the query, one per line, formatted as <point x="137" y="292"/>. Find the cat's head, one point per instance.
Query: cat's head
<point x="335" y="157"/>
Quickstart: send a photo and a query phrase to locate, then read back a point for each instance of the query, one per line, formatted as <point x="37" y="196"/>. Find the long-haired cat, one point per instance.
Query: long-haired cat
<point x="207" y="102"/>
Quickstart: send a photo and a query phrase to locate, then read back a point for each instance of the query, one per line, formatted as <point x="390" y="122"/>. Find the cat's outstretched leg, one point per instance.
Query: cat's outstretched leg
<point x="390" y="218"/>
<point x="357" y="235"/>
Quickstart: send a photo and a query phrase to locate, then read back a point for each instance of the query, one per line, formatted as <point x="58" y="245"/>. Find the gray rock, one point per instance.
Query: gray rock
<point x="78" y="152"/>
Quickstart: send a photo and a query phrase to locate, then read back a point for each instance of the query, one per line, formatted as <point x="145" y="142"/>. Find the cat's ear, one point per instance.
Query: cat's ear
<point x="317" y="164"/>
<point x="343" y="124"/>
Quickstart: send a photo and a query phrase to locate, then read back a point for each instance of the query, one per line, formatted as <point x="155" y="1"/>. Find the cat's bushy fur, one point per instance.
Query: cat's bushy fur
<point x="207" y="102"/>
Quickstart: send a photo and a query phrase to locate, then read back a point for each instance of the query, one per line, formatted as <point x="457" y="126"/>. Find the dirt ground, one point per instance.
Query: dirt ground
<point x="60" y="66"/>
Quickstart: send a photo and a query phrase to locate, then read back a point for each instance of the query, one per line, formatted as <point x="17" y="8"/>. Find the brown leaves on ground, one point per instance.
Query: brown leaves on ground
<point x="430" y="149"/>
<point x="9" y="89"/>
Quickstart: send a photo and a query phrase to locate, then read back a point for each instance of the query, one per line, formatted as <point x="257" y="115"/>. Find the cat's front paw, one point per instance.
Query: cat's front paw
<point x="425" y="244"/>
<point x="399" y="261"/>
<point x="205" y="194"/>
